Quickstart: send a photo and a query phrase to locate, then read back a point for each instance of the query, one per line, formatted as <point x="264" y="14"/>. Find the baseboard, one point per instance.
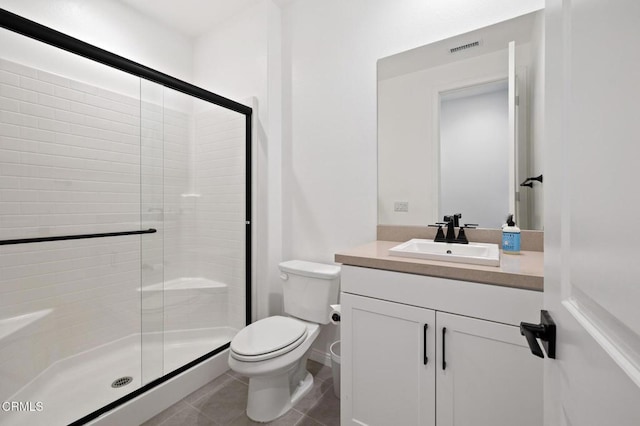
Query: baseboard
<point x="320" y="356"/>
<point x="156" y="400"/>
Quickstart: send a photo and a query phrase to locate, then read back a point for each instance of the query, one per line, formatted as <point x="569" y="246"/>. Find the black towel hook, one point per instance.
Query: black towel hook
<point x="529" y="181"/>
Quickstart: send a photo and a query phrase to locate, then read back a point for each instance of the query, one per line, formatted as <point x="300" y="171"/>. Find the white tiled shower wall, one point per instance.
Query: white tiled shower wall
<point x="70" y="162"/>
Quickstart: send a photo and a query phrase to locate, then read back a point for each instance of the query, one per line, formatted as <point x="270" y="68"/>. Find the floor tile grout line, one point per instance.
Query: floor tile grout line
<point x="316" y="404"/>
<point x="297" y="411"/>
<point x="224" y="384"/>
<point x="302" y="418"/>
<point x="176" y="413"/>
<point x="237" y="379"/>
<point x="244" y="413"/>
<point x="215" y="423"/>
<point x="190" y="407"/>
<point x="193" y="407"/>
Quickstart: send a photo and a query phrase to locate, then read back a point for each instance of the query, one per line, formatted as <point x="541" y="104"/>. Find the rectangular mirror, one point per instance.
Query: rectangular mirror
<point x="460" y="128"/>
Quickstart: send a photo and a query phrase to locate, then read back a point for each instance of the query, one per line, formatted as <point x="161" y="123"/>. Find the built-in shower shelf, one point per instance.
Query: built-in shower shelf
<point x="12" y="325"/>
<point x="180" y="284"/>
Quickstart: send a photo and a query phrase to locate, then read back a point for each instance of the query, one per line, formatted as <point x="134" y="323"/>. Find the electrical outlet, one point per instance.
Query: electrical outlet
<point x="401" y="206"/>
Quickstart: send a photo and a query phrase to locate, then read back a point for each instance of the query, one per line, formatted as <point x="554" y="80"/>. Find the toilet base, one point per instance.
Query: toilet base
<point x="272" y="397"/>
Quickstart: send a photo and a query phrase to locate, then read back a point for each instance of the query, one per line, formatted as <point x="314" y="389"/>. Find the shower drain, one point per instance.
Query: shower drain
<point x="122" y="381"/>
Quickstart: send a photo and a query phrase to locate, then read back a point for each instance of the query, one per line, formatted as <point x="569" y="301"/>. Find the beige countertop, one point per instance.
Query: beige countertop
<point x="520" y="271"/>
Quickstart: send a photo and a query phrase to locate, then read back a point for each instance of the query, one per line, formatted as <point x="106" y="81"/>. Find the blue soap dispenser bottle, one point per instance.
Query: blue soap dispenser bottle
<point x="510" y="237"/>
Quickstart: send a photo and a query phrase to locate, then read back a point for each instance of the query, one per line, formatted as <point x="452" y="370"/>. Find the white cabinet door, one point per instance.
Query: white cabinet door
<point x="490" y="377"/>
<point x="387" y="375"/>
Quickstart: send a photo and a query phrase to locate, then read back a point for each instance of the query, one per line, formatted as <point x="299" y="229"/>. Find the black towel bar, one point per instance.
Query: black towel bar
<point x="74" y="237"/>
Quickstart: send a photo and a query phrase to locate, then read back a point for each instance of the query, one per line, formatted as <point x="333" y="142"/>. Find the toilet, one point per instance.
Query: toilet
<point x="273" y="351"/>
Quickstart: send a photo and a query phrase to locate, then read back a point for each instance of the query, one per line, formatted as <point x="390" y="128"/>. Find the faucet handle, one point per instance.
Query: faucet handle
<point x="440" y="233"/>
<point x="462" y="237"/>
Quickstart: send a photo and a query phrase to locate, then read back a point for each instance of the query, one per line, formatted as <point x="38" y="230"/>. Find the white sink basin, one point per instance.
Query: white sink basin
<point x="473" y="253"/>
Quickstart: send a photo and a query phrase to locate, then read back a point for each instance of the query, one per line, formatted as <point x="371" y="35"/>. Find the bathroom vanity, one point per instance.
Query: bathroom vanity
<point x="438" y="343"/>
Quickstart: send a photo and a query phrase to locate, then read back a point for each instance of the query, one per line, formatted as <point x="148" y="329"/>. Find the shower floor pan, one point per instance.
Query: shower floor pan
<point x="76" y="386"/>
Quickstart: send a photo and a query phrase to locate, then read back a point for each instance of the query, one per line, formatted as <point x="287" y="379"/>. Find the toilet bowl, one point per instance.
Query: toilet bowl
<point x="273" y="351"/>
<point x="277" y="379"/>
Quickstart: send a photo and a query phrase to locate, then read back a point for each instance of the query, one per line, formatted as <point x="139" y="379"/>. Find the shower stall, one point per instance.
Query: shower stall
<point x="125" y="235"/>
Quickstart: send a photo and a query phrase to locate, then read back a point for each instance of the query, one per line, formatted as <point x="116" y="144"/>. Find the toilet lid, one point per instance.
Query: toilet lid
<point x="272" y="335"/>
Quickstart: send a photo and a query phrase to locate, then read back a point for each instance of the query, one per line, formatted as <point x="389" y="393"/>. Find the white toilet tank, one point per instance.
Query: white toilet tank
<point x="309" y="288"/>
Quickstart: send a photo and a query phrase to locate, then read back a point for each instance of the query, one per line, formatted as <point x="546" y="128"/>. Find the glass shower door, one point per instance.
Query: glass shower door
<point x="70" y="191"/>
<point x="202" y="153"/>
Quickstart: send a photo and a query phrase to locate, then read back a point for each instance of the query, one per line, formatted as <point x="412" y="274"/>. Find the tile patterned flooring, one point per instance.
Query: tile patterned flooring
<point x="224" y="400"/>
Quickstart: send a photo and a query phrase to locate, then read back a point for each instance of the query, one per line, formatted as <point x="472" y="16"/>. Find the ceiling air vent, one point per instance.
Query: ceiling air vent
<point x="464" y="47"/>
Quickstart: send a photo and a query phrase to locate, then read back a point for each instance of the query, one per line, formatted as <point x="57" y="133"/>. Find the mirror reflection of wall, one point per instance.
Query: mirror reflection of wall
<point x="413" y="174"/>
<point x="474" y="147"/>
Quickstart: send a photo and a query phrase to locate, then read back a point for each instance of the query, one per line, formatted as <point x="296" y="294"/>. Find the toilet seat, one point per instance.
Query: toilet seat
<point x="268" y="338"/>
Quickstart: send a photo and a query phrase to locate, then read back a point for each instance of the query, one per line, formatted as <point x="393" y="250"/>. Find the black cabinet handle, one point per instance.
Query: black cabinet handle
<point x="425" y="358"/>
<point x="545" y="331"/>
<point x="444" y="363"/>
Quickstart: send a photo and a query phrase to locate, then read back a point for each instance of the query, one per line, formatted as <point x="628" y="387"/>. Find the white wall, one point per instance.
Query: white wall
<point x="241" y="60"/>
<point x="115" y="27"/>
<point x="330" y="49"/>
<point x="231" y="59"/>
